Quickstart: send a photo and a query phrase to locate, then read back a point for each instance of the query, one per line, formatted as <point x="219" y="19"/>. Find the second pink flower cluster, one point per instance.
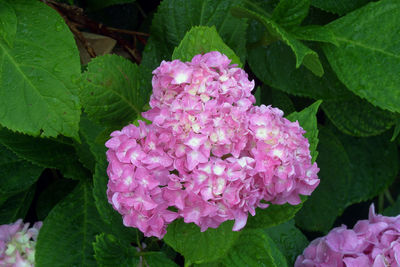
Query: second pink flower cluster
<point x="374" y="242"/>
<point x="209" y="154"/>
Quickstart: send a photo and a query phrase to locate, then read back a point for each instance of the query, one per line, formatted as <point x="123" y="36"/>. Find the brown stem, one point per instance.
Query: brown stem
<point x="127" y="31"/>
<point x="74" y="30"/>
<point x="75" y="16"/>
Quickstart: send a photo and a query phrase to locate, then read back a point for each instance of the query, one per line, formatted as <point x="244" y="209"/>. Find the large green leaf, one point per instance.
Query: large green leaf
<point x="367" y="65"/>
<point x="262" y="247"/>
<point x="373" y="164"/>
<point x="51" y="195"/>
<point x="157" y="259"/>
<point x="16" y="206"/>
<point x="352" y="170"/>
<point x="90" y="131"/>
<point x="315" y="33"/>
<point x="175" y="17"/>
<point x="393" y="210"/>
<point x="339" y="6"/>
<point x="307" y="119"/>
<point x="290" y="240"/>
<point x="276" y="66"/>
<point x="396" y="131"/>
<point x="37" y="94"/>
<point x="290" y="13"/>
<point x="255" y="248"/>
<point x="84" y="154"/>
<point x="8" y="23"/>
<point x="110" y="252"/>
<point x="330" y="197"/>
<point x="355" y="116"/>
<point x="200" y="40"/>
<point x="276" y="98"/>
<point x="200" y="247"/>
<point x="273" y="215"/>
<point x="44" y="152"/>
<point x="113" y="91"/>
<point x="69" y="230"/>
<point x="16" y="174"/>
<point x="112" y="218"/>
<point x="304" y="55"/>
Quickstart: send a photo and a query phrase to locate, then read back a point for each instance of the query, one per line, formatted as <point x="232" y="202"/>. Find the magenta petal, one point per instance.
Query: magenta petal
<point x="362" y="260"/>
<point x="240" y="221"/>
<point x="379" y="261"/>
<point x="208" y="152"/>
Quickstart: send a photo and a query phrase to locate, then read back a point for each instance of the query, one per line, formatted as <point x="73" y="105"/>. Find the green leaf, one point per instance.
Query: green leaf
<point x="113" y="91"/>
<point x="69" y="230"/>
<point x="276" y="66"/>
<point x="209" y="264"/>
<point x="16" y="206"/>
<point x="51" y="195"/>
<point x="37" y="94"/>
<point x="16" y="174"/>
<point x="112" y="218"/>
<point x="355" y="116"/>
<point x="158" y="259"/>
<point x="330" y="197"/>
<point x="367" y="65"/>
<point x="258" y="96"/>
<point x="8" y="23"/>
<point x="304" y="55"/>
<point x="276" y="98"/>
<point x="200" y="40"/>
<point x="90" y="131"/>
<point x="393" y="210"/>
<point x="168" y="28"/>
<point x="352" y="170"/>
<point x="290" y="13"/>
<point x="373" y="165"/>
<point x="109" y="252"/>
<point x="314" y="33"/>
<point x="47" y="153"/>
<point x="200" y="247"/>
<point x="340" y="7"/>
<point x="273" y="215"/>
<point x="90" y="150"/>
<point x="99" y="4"/>
<point x="84" y="154"/>
<point x="290" y="240"/>
<point x="255" y="248"/>
<point x="396" y="130"/>
<point x="307" y="119"/>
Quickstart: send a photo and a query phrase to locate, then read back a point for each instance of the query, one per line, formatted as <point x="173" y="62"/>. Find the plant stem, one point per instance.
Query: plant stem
<point x="389" y="197"/>
<point x="138" y="242"/>
<point x="381" y="202"/>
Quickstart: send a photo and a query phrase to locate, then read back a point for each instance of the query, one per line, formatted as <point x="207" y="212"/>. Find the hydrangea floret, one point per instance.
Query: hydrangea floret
<point x="209" y="155"/>
<point x="374" y="242"/>
<point x="17" y="244"/>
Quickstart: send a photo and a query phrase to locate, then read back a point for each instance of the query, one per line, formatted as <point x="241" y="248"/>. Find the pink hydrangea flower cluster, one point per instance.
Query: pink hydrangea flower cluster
<point x="209" y="154"/>
<point x="374" y="242"/>
<point x="17" y="244"/>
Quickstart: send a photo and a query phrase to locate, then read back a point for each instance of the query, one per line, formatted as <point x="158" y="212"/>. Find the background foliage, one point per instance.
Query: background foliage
<point x="333" y="65"/>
